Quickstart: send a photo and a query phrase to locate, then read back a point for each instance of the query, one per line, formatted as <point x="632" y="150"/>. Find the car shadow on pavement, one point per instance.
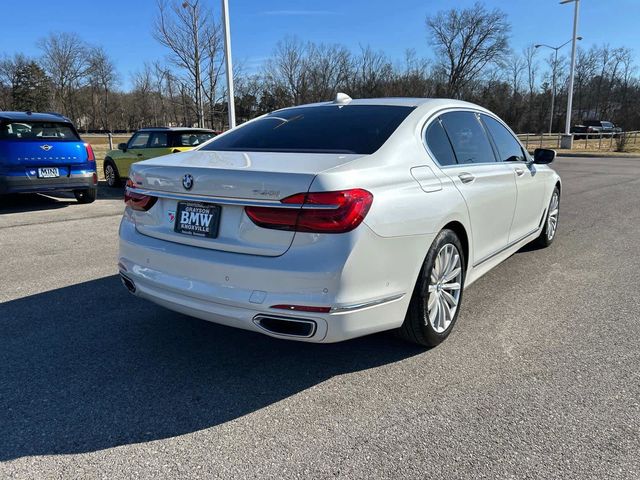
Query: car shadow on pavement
<point x="89" y="367"/>
<point x="29" y="202"/>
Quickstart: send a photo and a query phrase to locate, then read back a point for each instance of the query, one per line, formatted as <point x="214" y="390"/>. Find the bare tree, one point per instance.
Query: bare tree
<point x="102" y="78"/>
<point x="65" y="60"/>
<point x="467" y="41"/>
<point x="184" y="28"/>
<point x="288" y="69"/>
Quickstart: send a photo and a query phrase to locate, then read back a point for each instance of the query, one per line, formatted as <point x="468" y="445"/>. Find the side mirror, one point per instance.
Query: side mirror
<point x="122" y="146"/>
<point x="543" y="156"/>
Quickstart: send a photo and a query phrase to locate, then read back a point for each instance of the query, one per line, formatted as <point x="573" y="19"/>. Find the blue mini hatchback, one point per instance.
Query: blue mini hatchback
<point x="42" y="152"/>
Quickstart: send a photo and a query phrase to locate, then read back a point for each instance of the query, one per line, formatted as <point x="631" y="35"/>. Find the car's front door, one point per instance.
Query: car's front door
<point x="134" y="153"/>
<point x="487" y="186"/>
<point x="530" y="183"/>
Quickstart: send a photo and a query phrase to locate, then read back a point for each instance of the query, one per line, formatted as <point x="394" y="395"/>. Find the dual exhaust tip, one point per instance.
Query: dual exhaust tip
<point x="286" y="326"/>
<point x="280" y="326"/>
<point x="128" y="283"/>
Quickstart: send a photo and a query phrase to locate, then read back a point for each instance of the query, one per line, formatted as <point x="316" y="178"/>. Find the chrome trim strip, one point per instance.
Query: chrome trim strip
<point x="360" y="306"/>
<point x="507" y="247"/>
<point x="229" y="201"/>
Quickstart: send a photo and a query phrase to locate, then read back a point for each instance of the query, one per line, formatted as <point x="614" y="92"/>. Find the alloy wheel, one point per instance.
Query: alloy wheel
<point x="444" y="288"/>
<point x="552" y="221"/>
<point x="110" y="175"/>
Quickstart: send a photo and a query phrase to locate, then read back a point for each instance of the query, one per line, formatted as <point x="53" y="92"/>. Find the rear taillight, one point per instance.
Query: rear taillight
<point x="137" y="201"/>
<point x="319" y="212"/>
<point x="90" y="155"/>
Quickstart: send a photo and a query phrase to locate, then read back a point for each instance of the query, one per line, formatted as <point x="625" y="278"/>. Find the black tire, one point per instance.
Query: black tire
<point x="417" y="326"/>
<point x="544" y="240"/>
<point x="86" y="196"/>
<point x="111" y="174"/>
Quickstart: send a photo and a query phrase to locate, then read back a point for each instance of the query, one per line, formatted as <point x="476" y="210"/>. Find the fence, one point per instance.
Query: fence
<point x="581" y="141"/>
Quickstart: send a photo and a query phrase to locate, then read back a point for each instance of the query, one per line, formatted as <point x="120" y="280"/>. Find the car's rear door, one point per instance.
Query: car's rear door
<point x="487" y="186"/>
<point x="529" y="183"/>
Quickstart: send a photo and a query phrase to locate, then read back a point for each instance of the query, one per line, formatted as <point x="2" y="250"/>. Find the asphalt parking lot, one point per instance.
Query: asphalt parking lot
<point x="540" y="378"/>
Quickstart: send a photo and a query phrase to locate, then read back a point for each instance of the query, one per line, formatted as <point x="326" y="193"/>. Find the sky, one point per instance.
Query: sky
<point x="123" y="27"/>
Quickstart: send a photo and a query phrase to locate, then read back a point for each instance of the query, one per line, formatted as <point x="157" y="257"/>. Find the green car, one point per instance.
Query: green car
<point x="148" y="143"/>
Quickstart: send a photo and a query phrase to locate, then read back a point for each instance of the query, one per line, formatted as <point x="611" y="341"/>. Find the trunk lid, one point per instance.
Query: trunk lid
<point x="230" y="180"/>
<point x="44" y="153"/>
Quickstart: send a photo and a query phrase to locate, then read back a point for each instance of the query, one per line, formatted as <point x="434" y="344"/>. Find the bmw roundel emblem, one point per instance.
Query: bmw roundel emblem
<point x="187" y="181"/>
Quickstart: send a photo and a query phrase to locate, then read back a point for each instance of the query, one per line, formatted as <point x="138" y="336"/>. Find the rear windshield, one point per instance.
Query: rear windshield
<point x="192" y="139"/>
<point x="360" y="129"/>
<point x="37" y="131"/>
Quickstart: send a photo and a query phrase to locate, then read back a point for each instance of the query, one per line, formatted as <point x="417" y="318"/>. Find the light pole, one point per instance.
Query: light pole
<point x="553" y="78"/>
<point x="567" y="138"/>
<point x="229" y="66"/>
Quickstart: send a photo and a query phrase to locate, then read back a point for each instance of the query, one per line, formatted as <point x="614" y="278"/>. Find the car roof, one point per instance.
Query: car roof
<point x="33" y="116"/>
<point x="423" y="103"/>
<point x="175" y="129"/>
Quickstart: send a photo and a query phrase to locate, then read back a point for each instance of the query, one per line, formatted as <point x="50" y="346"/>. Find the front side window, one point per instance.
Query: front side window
<point x="139" y="140"/>
<point x="509" y="149"/>
<point x="439" y="144"/>
<point x="159" y="140"/>
<point x="468" y="137"/>
<point x="38" y="131"/>
<point x="360" y="129"/>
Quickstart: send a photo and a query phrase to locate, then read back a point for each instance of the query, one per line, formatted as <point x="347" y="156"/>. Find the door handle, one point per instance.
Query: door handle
<point x="519" y="171"/>
<point x="466" y="177"/>
<point x="139" y="154"/>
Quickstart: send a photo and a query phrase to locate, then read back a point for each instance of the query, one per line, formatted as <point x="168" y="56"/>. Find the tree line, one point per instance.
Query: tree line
<point x="470" y="59"/>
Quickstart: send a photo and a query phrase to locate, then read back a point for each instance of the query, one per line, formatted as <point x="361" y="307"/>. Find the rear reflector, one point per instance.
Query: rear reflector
<point x="319" y="212"/>
<point x="90" y="155"/>
<point x="137" y="201"/>
<point x="302" y="308"/>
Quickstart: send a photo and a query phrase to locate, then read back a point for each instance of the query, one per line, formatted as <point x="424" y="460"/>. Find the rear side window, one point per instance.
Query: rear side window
<point x="468" y="137"/>
<point x="509" y="149"/>
<point x="159" y="140"/>
<point x="358" y="129"/>
<point x="192" y="139"/>
<point x="439" y="144"/>
<point x="38" y="131"/>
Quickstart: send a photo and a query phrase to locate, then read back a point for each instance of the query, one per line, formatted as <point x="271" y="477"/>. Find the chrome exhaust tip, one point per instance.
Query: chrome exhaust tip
<point x="286" y="326"/>
<point x="128" y="283"/>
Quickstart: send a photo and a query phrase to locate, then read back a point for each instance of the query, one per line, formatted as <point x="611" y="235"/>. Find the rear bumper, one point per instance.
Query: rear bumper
<point x="367" y="281"/>
<point x="32" y="184"/>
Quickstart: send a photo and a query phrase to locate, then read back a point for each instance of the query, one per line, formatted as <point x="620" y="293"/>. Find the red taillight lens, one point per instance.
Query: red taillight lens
<point x="137" y="201"/>
<point x="90" y="155"/>
<point x="320" y="212"/>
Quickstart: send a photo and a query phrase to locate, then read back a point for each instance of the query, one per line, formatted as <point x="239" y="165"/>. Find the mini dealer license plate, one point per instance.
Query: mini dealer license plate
<point x="48" y="172"/>
<point x="197" y="219"/>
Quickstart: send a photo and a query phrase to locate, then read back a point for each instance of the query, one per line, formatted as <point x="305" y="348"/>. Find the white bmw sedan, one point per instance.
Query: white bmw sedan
<point x="330" y="221"/>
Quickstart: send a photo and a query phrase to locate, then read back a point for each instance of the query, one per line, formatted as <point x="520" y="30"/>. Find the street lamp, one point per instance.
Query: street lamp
<point x="553" y="79"/>
<point x="229" y="67"/>
<point x="567" y="139"/>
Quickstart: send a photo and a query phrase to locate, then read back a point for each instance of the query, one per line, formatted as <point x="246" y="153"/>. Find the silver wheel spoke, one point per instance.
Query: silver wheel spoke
<point x="433" y="312"/>
<point x="451" y="286"/>
<point x="450" y="299"/>
<point x="451" y="275"/>
<point x="432" y="300"/>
